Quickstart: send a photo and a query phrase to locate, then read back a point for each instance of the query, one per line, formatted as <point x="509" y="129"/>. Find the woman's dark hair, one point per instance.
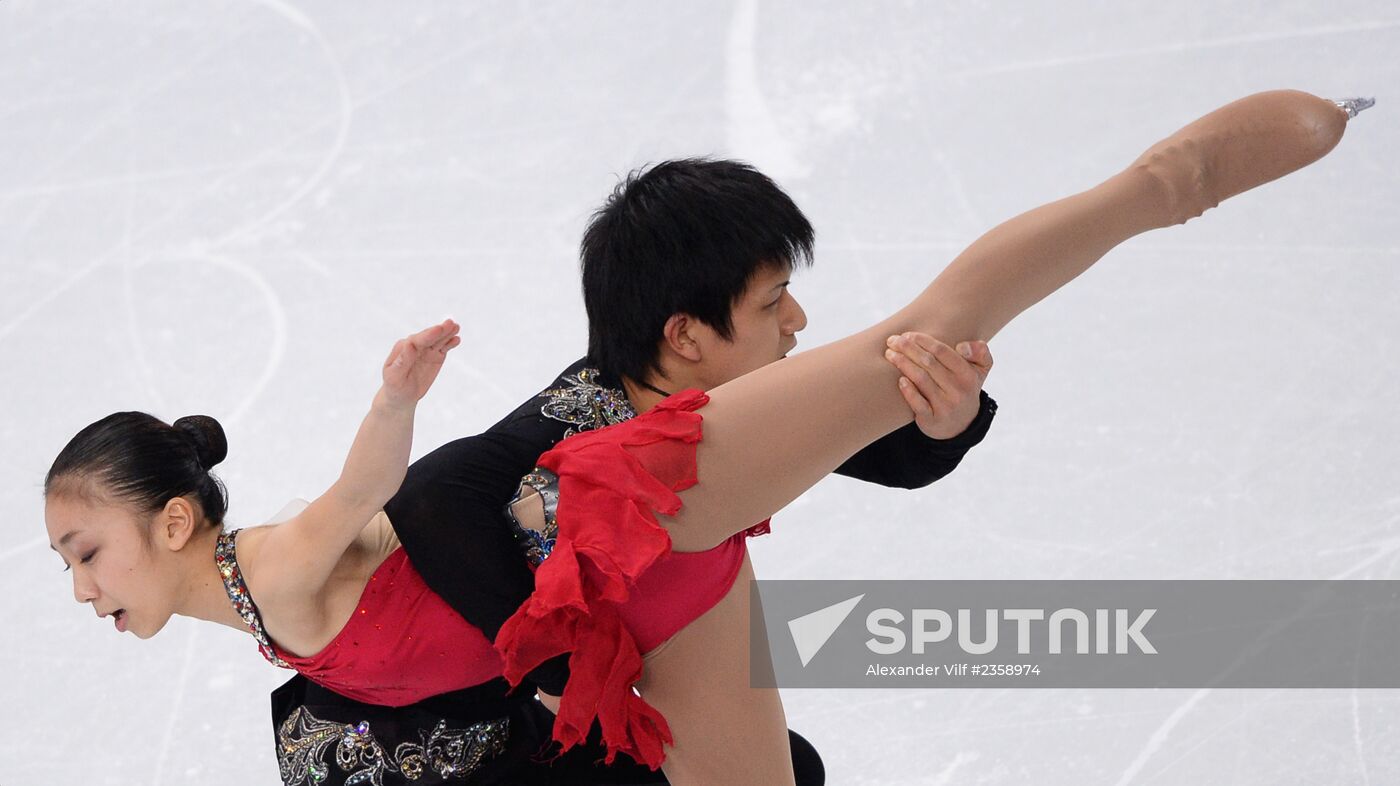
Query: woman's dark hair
<point x="683" y="236"/>
<point x="138" y="459"/>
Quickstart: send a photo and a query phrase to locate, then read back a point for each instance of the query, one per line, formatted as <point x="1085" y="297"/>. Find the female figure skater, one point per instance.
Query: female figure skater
<point x="584" y="588"/>
<point x="392" y="735"/>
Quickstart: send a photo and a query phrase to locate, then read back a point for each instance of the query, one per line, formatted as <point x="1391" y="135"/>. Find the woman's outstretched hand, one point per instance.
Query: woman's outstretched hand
<point x="415" y="361"/>
<point x="941" y="385"/>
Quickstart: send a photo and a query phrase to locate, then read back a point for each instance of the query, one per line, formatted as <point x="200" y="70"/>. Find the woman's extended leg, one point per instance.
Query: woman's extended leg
<point x="773" y="433"/>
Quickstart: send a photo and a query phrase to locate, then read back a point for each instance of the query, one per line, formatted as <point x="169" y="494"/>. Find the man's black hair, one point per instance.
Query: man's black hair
<point x="682" y="236"/>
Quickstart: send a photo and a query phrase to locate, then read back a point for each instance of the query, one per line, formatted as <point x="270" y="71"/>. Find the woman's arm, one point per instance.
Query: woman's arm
<point x="378" y="457"/>
<point x="308" y="547"/>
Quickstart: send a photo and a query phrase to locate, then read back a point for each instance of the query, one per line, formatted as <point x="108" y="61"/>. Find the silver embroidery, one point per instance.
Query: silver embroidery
<point x="303" y="755"/>
<point x="537" y="545"/>
<point x="586" y="405"/>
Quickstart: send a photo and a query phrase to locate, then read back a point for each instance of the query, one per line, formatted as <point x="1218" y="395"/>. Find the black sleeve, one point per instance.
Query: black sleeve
<point x="449" y="517"/>
<point x="907" y="459"/>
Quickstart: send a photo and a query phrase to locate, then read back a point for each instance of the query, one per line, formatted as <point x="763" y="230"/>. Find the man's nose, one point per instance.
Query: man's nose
<point x="796" y="319"/>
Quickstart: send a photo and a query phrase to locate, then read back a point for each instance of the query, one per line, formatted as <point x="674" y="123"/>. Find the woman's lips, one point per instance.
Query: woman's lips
<point x="119" y="619"/>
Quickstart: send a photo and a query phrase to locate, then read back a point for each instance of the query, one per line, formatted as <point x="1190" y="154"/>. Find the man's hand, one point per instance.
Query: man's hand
<point x="940" y="384"/>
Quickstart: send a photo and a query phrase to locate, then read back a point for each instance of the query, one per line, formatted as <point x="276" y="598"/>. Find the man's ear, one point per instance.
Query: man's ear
<point x="681" y="336"/>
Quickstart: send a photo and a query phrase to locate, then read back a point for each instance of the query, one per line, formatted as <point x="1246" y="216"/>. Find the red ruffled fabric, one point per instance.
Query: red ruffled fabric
<point x="612" y="484"/>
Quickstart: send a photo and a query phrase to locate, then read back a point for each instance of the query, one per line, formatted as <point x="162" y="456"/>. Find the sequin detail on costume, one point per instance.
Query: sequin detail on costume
<point x="238" y="595"/>
<point x="537" y="545"/>
<point x="585" y="404"/>
<point x="304" y="755"/>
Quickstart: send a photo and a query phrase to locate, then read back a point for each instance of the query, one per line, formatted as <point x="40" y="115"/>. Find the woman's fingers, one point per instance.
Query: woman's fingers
<point x="414" y="362"/>
<point x="437" y="339"/>
<point x="426" y="339"/>
<point x="442" y="346"/>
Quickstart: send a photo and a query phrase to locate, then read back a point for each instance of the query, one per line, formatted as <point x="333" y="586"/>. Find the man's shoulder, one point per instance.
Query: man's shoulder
<point x="580" y="398"/>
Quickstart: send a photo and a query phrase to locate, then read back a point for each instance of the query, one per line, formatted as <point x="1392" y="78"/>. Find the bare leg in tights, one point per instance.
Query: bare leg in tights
<point x="806" y="414"/>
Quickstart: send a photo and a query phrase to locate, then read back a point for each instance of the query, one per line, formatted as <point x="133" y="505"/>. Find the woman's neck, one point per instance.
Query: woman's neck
<point x="203" y="594"/>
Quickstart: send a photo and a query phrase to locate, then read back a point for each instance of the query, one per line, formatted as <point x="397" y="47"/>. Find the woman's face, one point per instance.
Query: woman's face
<point x="113" y="566"/>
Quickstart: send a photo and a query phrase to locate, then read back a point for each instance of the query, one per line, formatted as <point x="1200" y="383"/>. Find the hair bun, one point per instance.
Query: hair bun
<point x="207" y="436"/>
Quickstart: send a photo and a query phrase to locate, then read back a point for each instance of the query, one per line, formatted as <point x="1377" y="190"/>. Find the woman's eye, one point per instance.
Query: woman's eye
<point x="88" y="557"/>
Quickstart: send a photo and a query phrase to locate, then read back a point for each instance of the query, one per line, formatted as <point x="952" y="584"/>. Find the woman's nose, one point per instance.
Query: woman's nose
<point x="83" y="591"/>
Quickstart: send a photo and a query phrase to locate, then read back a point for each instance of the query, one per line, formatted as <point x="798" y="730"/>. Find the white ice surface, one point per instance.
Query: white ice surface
<point x="234" y="208"/>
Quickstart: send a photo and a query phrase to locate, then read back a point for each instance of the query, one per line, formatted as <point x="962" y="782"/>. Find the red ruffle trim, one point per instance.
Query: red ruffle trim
<point x="612" y="484"/>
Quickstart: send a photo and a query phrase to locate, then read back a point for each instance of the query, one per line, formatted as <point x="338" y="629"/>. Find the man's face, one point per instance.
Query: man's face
<point x="766" y="321"/>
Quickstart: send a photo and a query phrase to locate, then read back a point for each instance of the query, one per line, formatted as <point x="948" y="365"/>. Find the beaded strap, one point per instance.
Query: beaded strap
<point x="239" y="596"/>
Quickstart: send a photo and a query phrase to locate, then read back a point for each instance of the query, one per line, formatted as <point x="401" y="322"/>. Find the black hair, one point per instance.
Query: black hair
<point x="683" y="236"/>
<point x="138" y="459"/>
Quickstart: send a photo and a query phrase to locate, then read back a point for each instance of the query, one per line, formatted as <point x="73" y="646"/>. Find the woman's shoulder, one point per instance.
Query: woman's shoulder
<point x="261" y="560"/>
<point x="289" y="511"/>
<point x="250" y="548"/>
<point x="268" y="560"/>
<point x="301" y="619"/>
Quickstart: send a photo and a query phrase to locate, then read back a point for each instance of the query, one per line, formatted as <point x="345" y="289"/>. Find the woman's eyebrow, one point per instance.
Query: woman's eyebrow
<point x="63" y="541"/>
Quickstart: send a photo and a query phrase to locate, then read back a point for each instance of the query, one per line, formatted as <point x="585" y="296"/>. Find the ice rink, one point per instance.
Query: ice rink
<point x="235" y="209"/>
